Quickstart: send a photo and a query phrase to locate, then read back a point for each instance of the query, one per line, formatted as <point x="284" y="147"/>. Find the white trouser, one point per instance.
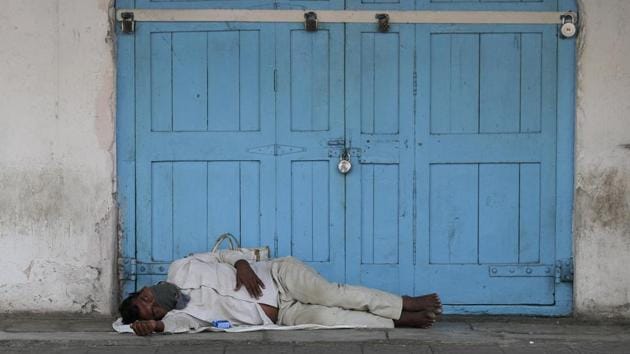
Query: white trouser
<point x="305" y="297"/>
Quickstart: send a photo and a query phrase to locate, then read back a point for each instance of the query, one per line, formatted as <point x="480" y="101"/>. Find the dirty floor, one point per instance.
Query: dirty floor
<point x="454" y="334"/>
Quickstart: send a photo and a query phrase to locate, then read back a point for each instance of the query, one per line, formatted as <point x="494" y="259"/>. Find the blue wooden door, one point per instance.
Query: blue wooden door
<point x="455" y="186"/>
<point x="238" y="129"/>
<point x="486" y="163"/>
<point x="310" y="123"/>
<point x="459" y="135"/>
<point x="205" y="135"/>
<point x="379" y="130"/>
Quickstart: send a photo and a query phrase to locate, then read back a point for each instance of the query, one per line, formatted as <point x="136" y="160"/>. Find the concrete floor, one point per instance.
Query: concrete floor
<point x="67" y="334"/>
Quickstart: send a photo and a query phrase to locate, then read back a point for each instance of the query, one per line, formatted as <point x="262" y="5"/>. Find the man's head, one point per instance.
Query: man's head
<point x="152" y="303"/>
<point x="141" y="306"/>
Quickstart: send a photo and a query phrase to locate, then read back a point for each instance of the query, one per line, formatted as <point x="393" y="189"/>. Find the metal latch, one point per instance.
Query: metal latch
<point x="568" y="28"/>
<point x="383" y="22"/>
<point x="127" y="24"/>
<point x="564" y="270"/>
<point x="310" y="21"/>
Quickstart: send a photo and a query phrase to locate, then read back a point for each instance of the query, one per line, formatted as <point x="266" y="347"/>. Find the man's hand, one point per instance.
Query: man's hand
<point x="144" y="328"/>
<point x="246" y="276"/>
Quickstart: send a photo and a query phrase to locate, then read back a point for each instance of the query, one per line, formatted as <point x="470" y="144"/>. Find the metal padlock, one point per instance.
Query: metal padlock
<point x="344" y="164"/>
<point x="568" y="28"/>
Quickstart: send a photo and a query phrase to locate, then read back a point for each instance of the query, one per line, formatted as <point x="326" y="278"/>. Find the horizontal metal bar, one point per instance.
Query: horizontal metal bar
<point x="152" y="268"/>
<point x="522" y="270"/>
<point x="344" y="16"/>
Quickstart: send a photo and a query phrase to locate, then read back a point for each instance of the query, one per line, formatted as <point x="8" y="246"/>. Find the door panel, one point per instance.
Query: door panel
<point x="485" y="160"/>
<point x="310" y="217"/>
<point x="205" y="103"/>
<point x="379" y="131"/>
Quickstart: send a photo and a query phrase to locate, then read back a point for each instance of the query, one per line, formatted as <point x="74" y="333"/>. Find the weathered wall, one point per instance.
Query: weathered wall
<point x="57" y="215"/>
<point x="602" y="194"/>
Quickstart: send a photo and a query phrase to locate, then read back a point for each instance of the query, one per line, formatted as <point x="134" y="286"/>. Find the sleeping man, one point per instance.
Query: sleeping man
<point x="229" y="285"/>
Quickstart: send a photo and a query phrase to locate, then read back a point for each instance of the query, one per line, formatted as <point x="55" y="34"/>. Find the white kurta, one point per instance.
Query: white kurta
<point x="210" y="279"/>
<point x="301" y="295"/>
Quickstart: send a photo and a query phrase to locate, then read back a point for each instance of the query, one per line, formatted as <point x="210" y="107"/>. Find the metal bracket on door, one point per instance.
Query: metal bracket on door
<point x="128" y="269"/>
<point x="522" y="270"/>
<point x="383" y="22"/>
<point x="336" y="151"/>
<point x="152" y="268"/>
<point x="564" y="270"/>
<point x="337" y="146"/>
<point x="127" y="24"/>
<point x="310" y="22"/>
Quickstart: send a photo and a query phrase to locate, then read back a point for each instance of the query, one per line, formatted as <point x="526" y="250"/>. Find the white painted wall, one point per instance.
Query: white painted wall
<point x="57" y="215"/>
<point x="602" y="195"/>
<point x="57" y="170"/>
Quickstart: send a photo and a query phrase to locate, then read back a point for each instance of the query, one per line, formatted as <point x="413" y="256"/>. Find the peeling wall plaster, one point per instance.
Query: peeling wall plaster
<point x="57" y="211"/>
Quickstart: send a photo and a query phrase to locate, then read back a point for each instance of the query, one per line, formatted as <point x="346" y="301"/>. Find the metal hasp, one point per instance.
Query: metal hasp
<point x="383" y="22"/>
<point x="310" y="21"/>
<point x="568" y="27"/>
<point x="127" y="24"/>
<point x="564" y="270"/>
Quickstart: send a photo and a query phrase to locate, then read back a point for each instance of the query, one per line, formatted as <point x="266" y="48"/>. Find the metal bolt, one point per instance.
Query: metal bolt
<point x="494" y="270"/>
<point x="528" y="271"/>
<point x="512" y="270"/>
<point x="161" y="269"/>
<point x="142" y="269"/>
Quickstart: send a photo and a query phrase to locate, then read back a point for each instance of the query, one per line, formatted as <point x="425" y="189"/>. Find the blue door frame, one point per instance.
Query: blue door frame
<point x="127" y="169"/>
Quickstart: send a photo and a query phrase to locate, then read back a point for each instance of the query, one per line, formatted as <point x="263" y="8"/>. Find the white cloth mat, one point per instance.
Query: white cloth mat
<point x="123" y="328"/>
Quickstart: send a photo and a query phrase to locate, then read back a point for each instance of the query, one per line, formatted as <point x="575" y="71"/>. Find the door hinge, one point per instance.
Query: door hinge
<point x="564" y="270"/>
<point x="129" y="268"/>
<point x="127" y="23"/>
<point x="275" y="80"/>
<point x="415" y="83"/>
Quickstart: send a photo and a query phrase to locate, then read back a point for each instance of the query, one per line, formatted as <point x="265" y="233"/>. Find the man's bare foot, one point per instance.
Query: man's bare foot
<point x="429" y="302"/>
<point x="421" y="319"/>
